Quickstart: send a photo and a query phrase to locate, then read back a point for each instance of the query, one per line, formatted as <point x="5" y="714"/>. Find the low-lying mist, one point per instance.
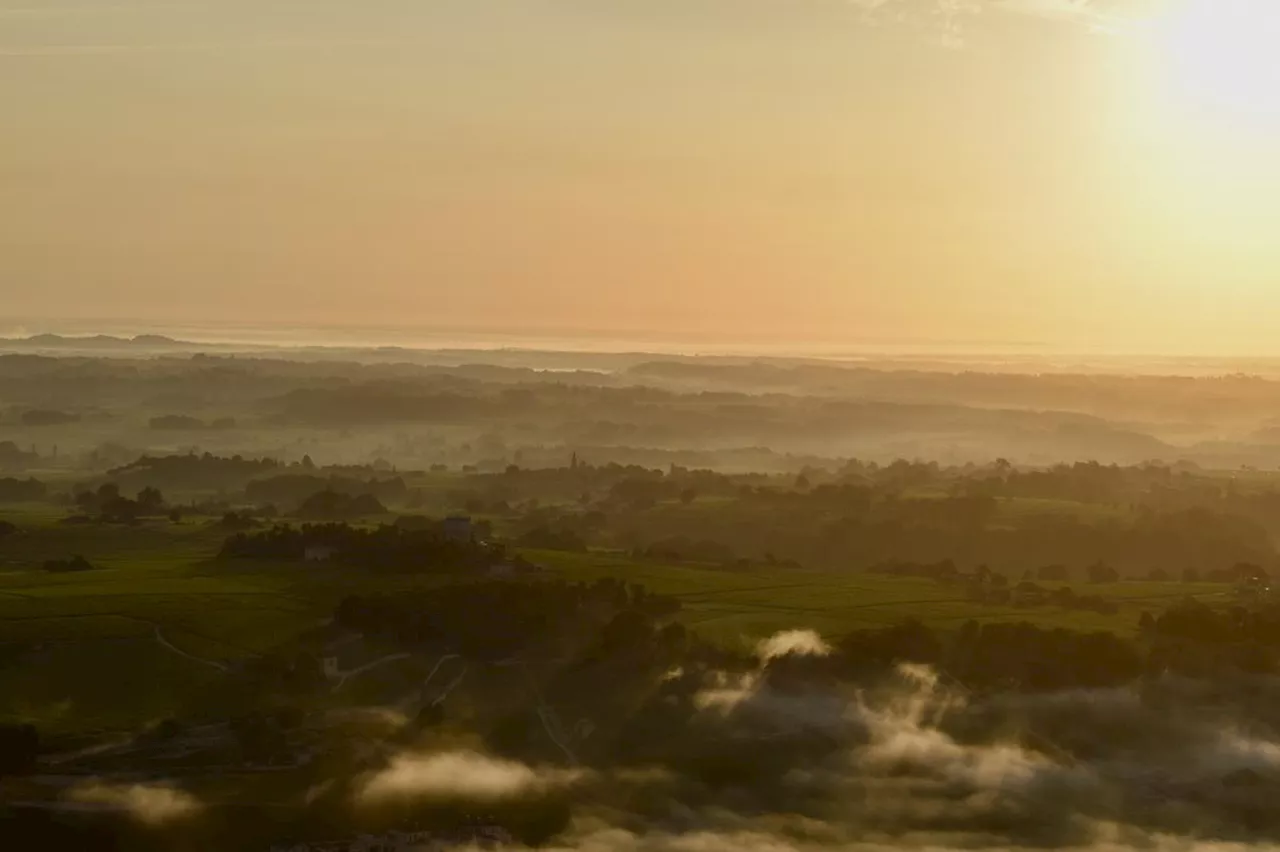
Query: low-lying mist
<point x="914" y="763"/>
<point x="784" y="758"/>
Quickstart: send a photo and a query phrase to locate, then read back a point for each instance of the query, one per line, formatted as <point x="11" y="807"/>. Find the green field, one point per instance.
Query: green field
<point x="741" y="607"/>
<point x="140" y="636"/>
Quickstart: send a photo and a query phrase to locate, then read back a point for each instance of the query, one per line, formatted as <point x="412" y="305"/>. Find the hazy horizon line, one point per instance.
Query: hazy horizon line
<point x="417" y="334"/>
<point x="585" y="341"/>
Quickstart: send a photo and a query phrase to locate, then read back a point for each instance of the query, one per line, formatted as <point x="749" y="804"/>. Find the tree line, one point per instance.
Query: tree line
<point x="387" y="547"/>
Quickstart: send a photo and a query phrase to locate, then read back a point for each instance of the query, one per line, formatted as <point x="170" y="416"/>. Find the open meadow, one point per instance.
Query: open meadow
<point x="160" y="618"/>
<point x="739" y="608"/>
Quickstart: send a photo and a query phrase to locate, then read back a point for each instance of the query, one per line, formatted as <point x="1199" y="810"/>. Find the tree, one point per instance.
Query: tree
<point x="628" y="629"/>
<point x="150" y="501"/>
<point x="688" y="495"/>
<point x="66" y="566"/>
<point x="1100" y="572"/>
<point x="1246" y="572"/>
<point x="674" y="635"/>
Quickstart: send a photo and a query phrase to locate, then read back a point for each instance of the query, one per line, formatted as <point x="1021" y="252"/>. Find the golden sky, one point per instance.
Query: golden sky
<point x="1080" y="175"/>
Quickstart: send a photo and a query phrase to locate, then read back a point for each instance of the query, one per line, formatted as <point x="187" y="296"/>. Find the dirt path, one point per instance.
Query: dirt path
<point x="419" y="696"/>
<point x="546" y="715"/>
<point x="452" y="685"/>
<point x="390" y="658"/>
<point x="165" y="643"/>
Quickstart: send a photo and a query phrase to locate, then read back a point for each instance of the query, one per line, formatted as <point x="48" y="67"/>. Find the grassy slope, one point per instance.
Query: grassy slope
<point x="744" y="606"/>
<point x="82" y="648"/>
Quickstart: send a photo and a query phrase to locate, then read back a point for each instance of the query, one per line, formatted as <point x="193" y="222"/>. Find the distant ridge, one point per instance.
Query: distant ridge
<point x="95" y="341"/>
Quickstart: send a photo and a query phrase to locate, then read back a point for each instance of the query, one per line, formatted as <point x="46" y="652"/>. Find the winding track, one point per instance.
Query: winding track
<point x="165" y="643"/>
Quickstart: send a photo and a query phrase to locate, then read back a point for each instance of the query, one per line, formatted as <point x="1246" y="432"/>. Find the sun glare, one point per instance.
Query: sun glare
<point x="1223" y="58"/>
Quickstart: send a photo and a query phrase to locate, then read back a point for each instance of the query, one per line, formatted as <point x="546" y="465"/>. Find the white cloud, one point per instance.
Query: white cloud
<point x="800" y="643"/>
<point x="460" y="774"/>
<point x="153" y="804"/>
<point x="1101" y="837"/>
<point x="727" y="692"/>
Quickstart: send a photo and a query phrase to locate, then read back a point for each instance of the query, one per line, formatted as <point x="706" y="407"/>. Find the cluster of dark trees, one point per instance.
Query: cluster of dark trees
<point x="1190" y="639"/>
<point x="22" y="490"/>
<point x="1027" y="593"/>
<point x="48" y="417"/>
<point x="113" y="507"/>
<point x="1199" y="622"/>
<point x="640" y="493"/>
<point x="856" y="527"/>
<point x="336" y="505"/>
<point x="991" y="587"/>
<point x="866" y="513"/>
<point x="68" y="566"/>
<point x="13" y="457"/>
<point x="480" y="530"/>
<point x="1148" y="513"/>
<point x="1197" y="640"/>
<point x="613" y="486"/>
<point x="1023" y="656"/>
<point x="192" y="472"/>
<point x="946" y="571"/>
<point x="187" y="423"/>
<point x="238" y="521"/>
<point x="293" y="488"/>
<point x="996" y="656"/>
<point x="516" y="615"/>
<point x="1082" y="482"/>
<point x="263" y="479"/>
<point x="386" y="548"/>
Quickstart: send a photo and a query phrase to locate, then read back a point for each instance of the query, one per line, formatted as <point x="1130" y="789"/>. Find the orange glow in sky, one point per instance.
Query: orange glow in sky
<point x="1083" y="175"/>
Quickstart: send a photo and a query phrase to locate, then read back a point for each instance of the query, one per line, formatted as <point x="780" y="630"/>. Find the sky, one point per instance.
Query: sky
<point x="1069" y="174"/>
